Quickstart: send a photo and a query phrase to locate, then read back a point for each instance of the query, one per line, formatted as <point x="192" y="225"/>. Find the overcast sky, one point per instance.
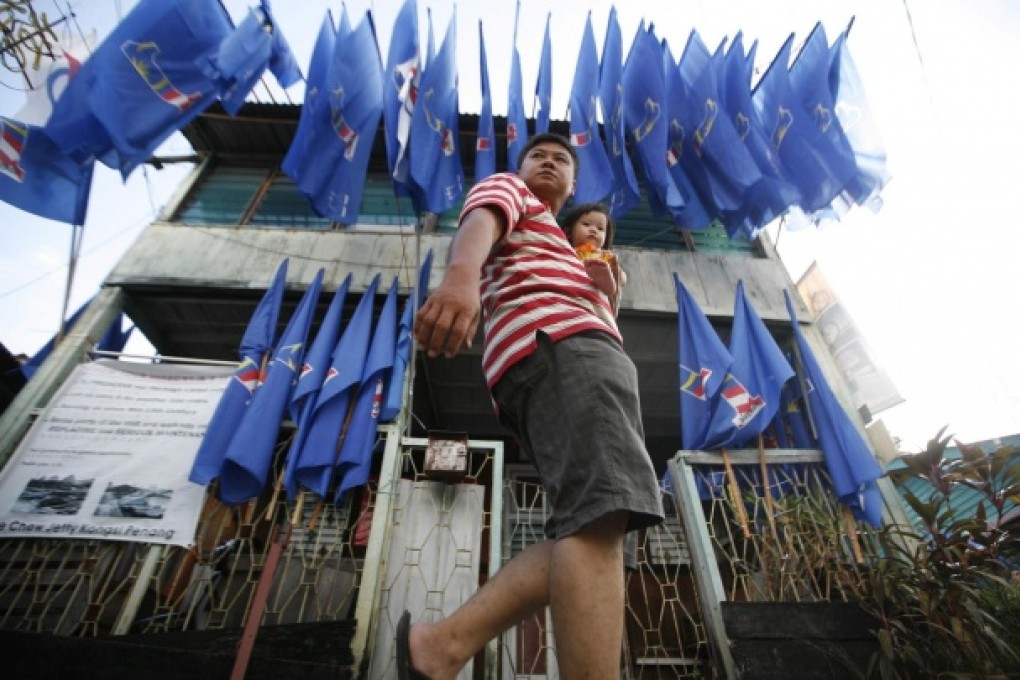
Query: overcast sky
<point x="926" y="278"/>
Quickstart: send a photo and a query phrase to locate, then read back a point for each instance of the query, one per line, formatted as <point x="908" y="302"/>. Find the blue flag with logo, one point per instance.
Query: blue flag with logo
<point x="644" y="111"/>
<point x="485" y="146"/>
<point x="257" y="342"/>
<point x="854" y="114"/>
<point x="543" y="86"/>
<point x="250" y="454"/>
<point x="315" y="105"/>
<point x="624" y="195"/>
<point x="852" y="467"/>
<point x="704" y="361"/>
<point x="749" y="396"/>
<point x="435" y="156"/>
<point x="698" y="211"/>
<point x="400" y="92"/>
<point x="356" y="452"/>
<point x="793" y="414"/>
<point x="595" y="177"/>
<point x="771" y="195"/>
<point x="152" y="75"/>
<point x="309" y="383"/>
<point x="314" y="462"/>
<point x="335" y="172"/>
<point x="402" y="356"/>
<point x="37" y="177"/>
<point x="516" y="119"/>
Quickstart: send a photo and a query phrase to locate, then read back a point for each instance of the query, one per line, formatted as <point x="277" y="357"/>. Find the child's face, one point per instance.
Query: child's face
<point x="590" y="229"/>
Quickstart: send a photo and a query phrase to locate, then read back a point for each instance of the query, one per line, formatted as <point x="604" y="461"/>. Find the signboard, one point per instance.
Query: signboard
<point x="109" y="457"/>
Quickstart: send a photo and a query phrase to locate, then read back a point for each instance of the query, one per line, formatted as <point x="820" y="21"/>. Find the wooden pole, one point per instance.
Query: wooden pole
<point x="770" y="504"/>
<point x="738" y="502"/>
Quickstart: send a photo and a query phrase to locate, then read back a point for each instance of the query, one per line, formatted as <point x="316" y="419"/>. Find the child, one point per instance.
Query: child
<point x="589" y="228"/>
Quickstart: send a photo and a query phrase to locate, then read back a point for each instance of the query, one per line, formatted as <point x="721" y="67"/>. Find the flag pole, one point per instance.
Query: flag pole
<point x="766" y="484"/>
<point x="77" y="235"/>
<point x="738" y="503"/>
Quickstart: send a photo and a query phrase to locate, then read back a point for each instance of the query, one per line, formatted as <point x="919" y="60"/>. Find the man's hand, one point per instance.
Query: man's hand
<point x="449" y="318"/>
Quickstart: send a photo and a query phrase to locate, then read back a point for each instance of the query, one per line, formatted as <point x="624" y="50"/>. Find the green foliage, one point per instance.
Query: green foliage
<point x="948" y="596"/>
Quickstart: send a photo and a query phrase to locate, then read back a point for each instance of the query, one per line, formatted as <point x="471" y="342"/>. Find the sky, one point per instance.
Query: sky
<point x="926" y="278"/>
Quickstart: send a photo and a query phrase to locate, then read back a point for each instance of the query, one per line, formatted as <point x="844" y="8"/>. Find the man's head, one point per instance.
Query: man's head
<point x="548" y="165"/>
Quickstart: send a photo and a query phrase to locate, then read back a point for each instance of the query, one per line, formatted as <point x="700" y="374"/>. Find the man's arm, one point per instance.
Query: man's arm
<point x="449" y="318"/>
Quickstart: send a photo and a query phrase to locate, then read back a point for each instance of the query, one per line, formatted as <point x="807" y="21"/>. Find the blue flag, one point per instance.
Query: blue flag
<point x="485" y="146"/>
<point x="516" y="119"/>
<point x="257" y="342"/>
<point x="704" y="361"/>
<point x="854" y="114"/>
<point x="624" y="195"/>
<point x="255" y="45"/>
<point x="309" y="383"/>
<point x="595" y="178"/>
<point x="794" y="416"/>
<point x="37" y="177"/>
<point x="749" y="396"/>
<point x="402" y="355"/>
<point x="698" y="212"/>
<point x="543" y="86"/>
<point x="435" y="159"/>
<point x="644" y="111"/>
<point x="403" y="73"/>
<point x="809" y="80"/>
<point x="315" y="107"/>
<point x="314" y="462"/>
<point x="852" y="467"/>
<point x="772" y="195"/>
<point x="115" y="337"/>
<point x="335" y="172"/>
<point x="152" y="75"/>
<point x="356" y="451"/>
<point x="250" y="454"/>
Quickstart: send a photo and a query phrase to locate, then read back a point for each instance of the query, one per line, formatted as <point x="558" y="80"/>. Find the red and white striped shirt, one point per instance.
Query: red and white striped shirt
<point x="532" y="279"/>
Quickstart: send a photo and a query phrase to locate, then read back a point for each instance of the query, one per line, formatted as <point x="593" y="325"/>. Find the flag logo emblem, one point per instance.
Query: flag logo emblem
<point x="12" y="143"/>
<point x="347" y="134"/>
<point x="693" y="382"/>
<point x="248" y="375"/>
<point x="707" y="123"/>
<point x="142" y="57"/>
<point x="676" y="149"/>
<point x="651" y="116"/>
<point x="744" y="404"/>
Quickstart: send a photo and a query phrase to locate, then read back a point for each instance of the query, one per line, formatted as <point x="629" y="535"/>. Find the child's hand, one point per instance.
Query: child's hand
<point x="601" y="273"/>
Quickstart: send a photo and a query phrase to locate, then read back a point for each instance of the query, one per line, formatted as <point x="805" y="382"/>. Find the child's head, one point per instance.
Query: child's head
<point x="589" y="223"/>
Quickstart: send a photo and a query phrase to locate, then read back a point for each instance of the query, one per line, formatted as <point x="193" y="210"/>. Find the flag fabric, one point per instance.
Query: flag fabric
<point x="644" y="112"/>
<point x="854" y="114"/>
<point x="485" y="146"/>
<point x="624" y="195"/>
<point x="403" y="73"/>
<point x="772" y="195"/>
<point x="315" y="105"/>
<point x="435" y="159"/>
<point x="314" y="461"/>
<point x="355" y="460"/>
<point x="794" y="416"/>
<point x="543" y="86"/>
<point x="309" y="383"/>
<point x="47" y="77"/>
<point x="152" y="75"/>
<point x="749" y="396"/>
<point x="697" y="213"/>
<point x="250" y="454"/>
<point x="793" y="135"/>
<point x="704" y="361"/>
<point x="38" y="177"/>
<point x="255" y="45"/>
<point x="595" y="177"/>
<point x="516" y="120"/>
<point x="809" y="80"/>
<point x="115" y="337"/>
<point x="257" y="342"/>
<point x="334" y="175"/>
<point x="852" y="467"/>
<point x="402" y="354"/>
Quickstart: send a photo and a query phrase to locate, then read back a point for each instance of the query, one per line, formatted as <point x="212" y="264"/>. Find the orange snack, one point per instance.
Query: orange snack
<point x="587" y="251"/>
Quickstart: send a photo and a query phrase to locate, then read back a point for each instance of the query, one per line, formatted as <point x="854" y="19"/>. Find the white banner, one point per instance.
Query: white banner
<point x="109" y="457"/>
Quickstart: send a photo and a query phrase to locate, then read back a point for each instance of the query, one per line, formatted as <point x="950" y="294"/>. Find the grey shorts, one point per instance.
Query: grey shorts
<point x="573" y="407"/>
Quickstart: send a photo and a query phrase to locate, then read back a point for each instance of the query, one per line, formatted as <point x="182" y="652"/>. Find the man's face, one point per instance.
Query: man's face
<point x="548" y="170"/>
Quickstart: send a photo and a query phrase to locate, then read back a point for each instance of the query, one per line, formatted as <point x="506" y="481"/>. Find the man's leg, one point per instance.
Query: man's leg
<point x="520" y="588"/>
<point x="586" y="589"/>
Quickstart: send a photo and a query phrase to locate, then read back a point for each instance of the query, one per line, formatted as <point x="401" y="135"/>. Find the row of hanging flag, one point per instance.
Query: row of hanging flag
<point x="708" y="146"/>
<point x="730" y="396"/>
<point x="336" y="390"/>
